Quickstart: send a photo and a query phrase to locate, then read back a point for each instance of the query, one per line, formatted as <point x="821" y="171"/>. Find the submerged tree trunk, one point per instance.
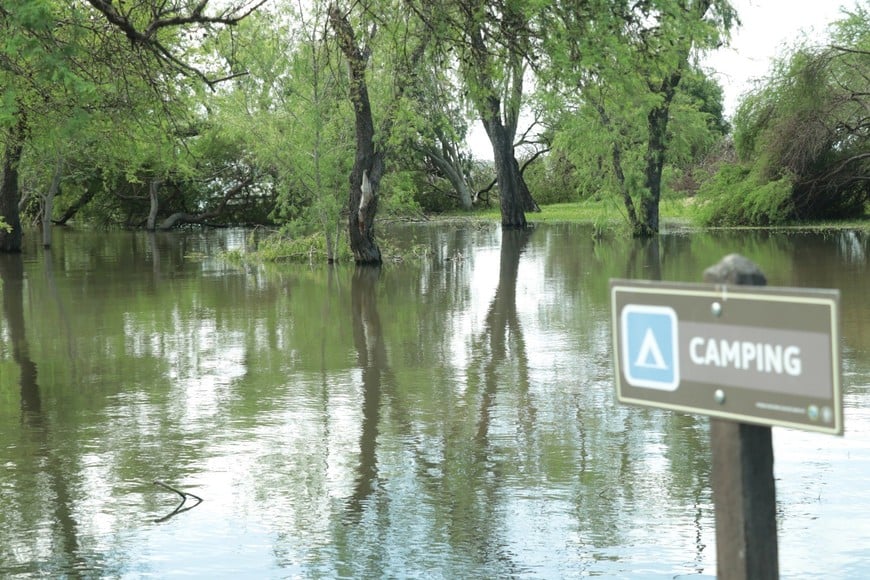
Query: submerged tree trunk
<point x="368" y="166"/>
<point x="529" y="203"/>
<point x="501" y="128"/>
<point x="10" y="194"/>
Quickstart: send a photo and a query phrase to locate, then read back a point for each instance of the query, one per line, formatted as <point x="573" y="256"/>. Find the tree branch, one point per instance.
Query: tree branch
<point x="173" y="17"/>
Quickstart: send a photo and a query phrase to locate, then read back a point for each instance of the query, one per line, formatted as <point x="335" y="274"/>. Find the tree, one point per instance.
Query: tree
<point x="435" y="126"/>
<point x="371" y="145"/>
<point x="627" y="60"/>
<point x="368" y="166"/>
<point x="152" y="26"/>
<point x="290" y="118"/>
<point x="810" y="124"/>
<point x="73" y="61"/>
<point x="492" y="43"/>
<point x="493" y="55"/>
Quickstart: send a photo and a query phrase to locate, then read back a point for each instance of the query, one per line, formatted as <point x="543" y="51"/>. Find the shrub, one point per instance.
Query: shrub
<point x="737" y="196"/>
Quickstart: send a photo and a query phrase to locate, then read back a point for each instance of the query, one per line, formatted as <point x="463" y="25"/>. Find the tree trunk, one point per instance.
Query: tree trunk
<point x="181" y="217"/>
<point x="368" y="166"/>
<point x="648" y="224"/>
<point x="507" y="174"/>
<point x="529" y="203"/>
<point x="81" y="202"/>
<point x="616" y="162"/>
<point x="48" y="203"/>
<point x="657" y="128"/>
<point x="153" y="188"/>
<point x="449" y="165"/>
<point x="10" y="194"/>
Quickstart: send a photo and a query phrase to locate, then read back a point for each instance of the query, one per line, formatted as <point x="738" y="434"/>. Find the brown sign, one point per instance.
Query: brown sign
<point x="762" y="355"/>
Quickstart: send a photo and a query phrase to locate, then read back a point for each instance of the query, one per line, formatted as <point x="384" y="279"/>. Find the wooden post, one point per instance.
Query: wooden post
<point x="744" y="492"/>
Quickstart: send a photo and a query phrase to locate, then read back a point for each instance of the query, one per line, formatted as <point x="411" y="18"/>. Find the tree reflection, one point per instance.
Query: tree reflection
<point x="469" y="484"/>
<point x="372" y="359"/>
<point x="503" y="337"/>
<point x="645" y="259"/>
<point x="12" y="278"/>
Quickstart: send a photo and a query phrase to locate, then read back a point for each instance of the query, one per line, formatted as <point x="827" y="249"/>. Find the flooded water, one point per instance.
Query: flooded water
<point x="448" y="418"/>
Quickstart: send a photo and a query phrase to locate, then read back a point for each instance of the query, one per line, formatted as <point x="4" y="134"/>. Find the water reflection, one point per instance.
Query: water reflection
<point x="12" y="285"/>
<point x="368" y="339"/>
<point x="50" y="466"/>
<point x="452" y="418"/>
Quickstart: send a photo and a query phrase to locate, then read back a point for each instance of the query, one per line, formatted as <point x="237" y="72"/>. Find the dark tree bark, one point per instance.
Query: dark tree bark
<point x="507" y="173"/>
<point x="514" y="196"/>
<point x="368" y="166"/>
<point x="10" y="194"/>
<point x="657" y="127"/>
<point x="48" y="203"/>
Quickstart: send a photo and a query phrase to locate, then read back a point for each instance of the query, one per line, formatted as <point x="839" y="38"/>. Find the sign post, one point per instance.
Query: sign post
<point x="750" y="357"/>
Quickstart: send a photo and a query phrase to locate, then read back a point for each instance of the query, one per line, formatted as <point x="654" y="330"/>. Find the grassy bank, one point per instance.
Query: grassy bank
<point x="609" y="214"/>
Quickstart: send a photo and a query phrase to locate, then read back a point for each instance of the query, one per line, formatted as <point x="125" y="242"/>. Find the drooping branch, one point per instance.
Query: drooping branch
<point x="188" y="218"/>
<point x="173" y="16"/>
<point x="851" y="50"/>
<point x="166" y="15"/>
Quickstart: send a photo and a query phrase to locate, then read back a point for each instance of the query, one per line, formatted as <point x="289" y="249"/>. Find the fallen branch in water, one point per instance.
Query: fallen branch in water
<point x="180" y="508"/>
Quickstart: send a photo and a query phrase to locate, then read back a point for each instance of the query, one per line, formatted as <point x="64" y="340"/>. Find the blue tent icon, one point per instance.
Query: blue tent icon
<point x="650" y="347"/>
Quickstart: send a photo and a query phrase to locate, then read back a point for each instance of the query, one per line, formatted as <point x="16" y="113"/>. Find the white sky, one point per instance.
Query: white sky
<point x="768" y="28"/>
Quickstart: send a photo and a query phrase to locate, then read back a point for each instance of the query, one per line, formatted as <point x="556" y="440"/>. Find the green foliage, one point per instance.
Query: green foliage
<point x="809" y="121"/>
<point x="399" y="190"/>
<point x="632" y="113"/>
<point x="554" y="179"/>
<point x="283" y="246"/>
<point x="118" y="119"/>
<point x="738" y="196"/>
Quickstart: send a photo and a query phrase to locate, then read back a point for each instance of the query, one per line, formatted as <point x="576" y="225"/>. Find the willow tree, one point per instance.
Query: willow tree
<point x="60" y="57"/>
<point x="50" y="76"/>
<point x="24" y="75"/>
<point x="626" y="60"/>
<point x="808" y="124"/>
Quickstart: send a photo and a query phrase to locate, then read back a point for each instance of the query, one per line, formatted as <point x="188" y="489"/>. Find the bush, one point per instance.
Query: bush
<point x="737" y="196"/>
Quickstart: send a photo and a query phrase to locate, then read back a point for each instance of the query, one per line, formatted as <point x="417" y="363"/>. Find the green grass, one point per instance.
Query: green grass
<point x="604" y="212"/>
<point x="674" y="211"/>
